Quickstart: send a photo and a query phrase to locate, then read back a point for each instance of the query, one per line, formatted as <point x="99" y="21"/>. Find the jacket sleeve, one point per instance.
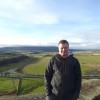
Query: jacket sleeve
<point x="78" y="78"/>
<point x="48" y="76"/>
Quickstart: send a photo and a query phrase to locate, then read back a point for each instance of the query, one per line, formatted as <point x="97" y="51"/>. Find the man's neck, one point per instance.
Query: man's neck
<point x="64" y="56"/>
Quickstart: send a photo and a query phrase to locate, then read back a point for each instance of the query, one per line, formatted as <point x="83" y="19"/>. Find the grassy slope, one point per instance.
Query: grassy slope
<point x="38" y="67"/>
<point x="89" y="62"/>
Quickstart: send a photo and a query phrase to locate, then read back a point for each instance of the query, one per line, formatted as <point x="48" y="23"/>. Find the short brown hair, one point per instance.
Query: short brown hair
<point x="63" y="42"/>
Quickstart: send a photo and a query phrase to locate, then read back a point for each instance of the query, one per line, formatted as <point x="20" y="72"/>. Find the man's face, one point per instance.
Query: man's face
<point x="63" y="49"/>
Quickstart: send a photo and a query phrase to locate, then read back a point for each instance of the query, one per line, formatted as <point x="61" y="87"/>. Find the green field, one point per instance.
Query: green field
<point x="89" y="61"/>
<point x="37" y="68"/>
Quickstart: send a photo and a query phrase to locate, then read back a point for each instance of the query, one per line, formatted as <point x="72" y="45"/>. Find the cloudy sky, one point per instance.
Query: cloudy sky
<point x="45" y="22"/>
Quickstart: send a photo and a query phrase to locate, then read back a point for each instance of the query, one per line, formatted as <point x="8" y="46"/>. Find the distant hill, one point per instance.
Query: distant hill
<point x="34" y="49"/>
<point x="31" y="49"/>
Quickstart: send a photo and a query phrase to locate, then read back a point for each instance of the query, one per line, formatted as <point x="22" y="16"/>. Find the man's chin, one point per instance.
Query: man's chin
<point x="64" y="56"/>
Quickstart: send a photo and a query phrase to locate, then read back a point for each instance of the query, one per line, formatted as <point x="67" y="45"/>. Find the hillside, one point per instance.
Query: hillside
<point x="32" y="62"/>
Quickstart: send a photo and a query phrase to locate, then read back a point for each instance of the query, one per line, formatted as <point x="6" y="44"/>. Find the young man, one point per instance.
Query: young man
<point x="63" y="75"/>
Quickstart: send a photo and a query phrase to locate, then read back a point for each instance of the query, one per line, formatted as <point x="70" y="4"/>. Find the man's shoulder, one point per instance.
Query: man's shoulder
<point x="74" y="58"/>
<point x="56" y="56"/>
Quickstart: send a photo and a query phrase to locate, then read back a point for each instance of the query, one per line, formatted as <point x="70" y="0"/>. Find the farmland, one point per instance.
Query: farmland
<point x="34" y="64"/>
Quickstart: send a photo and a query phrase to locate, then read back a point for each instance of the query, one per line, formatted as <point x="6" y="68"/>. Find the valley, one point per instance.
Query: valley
<point x="26" y="63"/>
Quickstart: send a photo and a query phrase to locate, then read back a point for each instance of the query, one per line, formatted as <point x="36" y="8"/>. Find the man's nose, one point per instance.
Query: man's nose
<point x="64" y="49"/>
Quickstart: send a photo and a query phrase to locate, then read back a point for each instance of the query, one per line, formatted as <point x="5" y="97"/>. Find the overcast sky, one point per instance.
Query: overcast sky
<point x="45" y="22"/>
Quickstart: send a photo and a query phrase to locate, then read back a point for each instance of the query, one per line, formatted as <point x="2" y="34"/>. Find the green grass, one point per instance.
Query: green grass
<point x="87" y="61"/>
<point x="85" y="69"/>
<point x="40" y="89"/>
<point x="6" y="86"/>
<point x="19" y="64"/>
<point x="29" y="85"/>
<point x="37" y="68"/>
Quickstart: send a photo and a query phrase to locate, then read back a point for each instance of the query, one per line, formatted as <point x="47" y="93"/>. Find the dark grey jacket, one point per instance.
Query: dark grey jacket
<point x="63" y="77"/>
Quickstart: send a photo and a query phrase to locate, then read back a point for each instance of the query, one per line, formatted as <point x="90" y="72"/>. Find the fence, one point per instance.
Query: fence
<point x="42" y="76"/>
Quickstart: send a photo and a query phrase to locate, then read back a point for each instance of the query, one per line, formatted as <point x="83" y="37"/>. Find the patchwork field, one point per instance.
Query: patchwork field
<point x="90" y="64"/>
